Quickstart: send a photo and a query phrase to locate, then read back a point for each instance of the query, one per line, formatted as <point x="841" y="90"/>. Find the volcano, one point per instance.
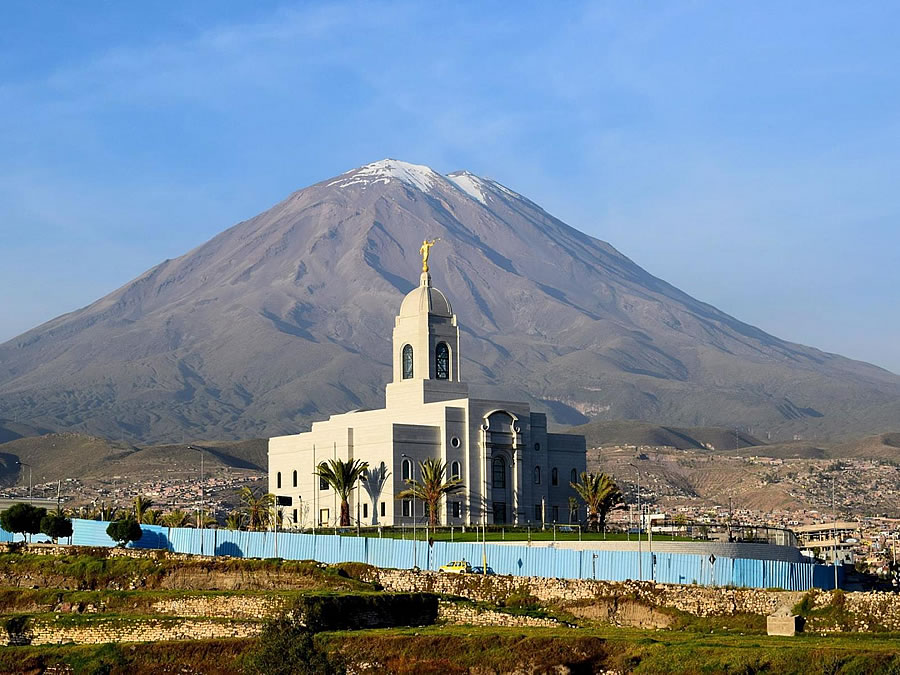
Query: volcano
<point x="286" y="318"/>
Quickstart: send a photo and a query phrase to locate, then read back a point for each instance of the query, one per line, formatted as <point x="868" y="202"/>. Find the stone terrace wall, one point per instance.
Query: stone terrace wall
<point x="862" y="611"/>
<point x="45" y="632"/>
<point x="696" y="600"/>
<point x="451" y="612"/>
<point x="222" y="606"/>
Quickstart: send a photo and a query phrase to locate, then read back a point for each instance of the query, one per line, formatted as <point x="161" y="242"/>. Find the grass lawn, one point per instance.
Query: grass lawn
<point x="455" y="649"/>
<point x="452" y="649"/>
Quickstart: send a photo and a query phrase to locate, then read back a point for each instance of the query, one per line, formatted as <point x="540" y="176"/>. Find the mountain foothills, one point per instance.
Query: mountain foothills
<point x="287" y="317"/>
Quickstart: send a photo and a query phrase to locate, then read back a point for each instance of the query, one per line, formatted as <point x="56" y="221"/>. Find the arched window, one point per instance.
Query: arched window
<point x="278" y="480"/>
<point x="554" y="476"/>
<point x="406" y="470"/>
<point x="574" y="476"/>
<point x="454" y="471"/>
<point x="407" y="362"/>
<point x="537" y="475"/>
<point x="499" y="466"/>
<point x="442" y="361"/>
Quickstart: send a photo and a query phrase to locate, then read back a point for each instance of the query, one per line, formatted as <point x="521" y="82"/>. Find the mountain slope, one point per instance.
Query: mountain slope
<point x="287" y="317"/>
<point x="625" y="432"/>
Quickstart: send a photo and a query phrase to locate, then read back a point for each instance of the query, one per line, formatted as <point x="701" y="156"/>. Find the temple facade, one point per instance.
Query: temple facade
<point x="512" y="470"/>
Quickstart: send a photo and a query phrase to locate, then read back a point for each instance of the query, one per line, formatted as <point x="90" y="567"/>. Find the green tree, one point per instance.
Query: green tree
<point x="257" y="506"/>
<point x="431" y="488"/>
<point x="342" y="477"/>
<point x="124" y="531"/>
<point x="22" y="519"/>
<point x="174" y="518"/>
<point x="600" y="494"/>
<point x="140" y="506"/>
<point x="286" y="647"/>
<point x="56" y="525"/>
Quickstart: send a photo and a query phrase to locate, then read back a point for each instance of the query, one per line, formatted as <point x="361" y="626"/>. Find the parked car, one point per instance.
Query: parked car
<point x="478" y="569"/>
<point x="456" y="567"/>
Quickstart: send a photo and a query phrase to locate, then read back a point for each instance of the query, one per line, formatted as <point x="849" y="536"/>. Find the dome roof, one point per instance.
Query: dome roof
<point x="425" y="298"/>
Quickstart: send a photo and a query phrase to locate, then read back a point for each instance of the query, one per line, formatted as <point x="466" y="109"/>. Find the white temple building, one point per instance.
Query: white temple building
<point x="512" y="470"/>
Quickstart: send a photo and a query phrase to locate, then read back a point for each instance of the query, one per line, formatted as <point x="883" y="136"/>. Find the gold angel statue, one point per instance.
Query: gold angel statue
<point x="425" y="250"/>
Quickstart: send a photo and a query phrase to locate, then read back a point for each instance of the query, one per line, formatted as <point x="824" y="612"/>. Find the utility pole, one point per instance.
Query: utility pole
<point x="640" y="523"/>
<point x="29" y="477"/>
<point x="834" y="535"/>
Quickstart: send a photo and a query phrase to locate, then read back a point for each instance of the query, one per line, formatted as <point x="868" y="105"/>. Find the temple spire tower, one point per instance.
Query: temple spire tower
<point x="425" y="345"/>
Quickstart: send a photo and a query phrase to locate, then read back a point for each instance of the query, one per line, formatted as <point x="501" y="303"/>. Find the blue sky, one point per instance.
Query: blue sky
<point x="748" y="153"/>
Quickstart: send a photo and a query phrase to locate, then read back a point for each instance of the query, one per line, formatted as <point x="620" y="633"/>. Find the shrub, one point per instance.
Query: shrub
<point x="286" y="647"/>
<point x="22" y="519"/>
<point x="124" y="531"/>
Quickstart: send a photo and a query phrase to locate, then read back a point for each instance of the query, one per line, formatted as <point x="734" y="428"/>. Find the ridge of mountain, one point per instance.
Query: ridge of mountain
<point x="286" y="317"/>
<point x="633" y="433"/>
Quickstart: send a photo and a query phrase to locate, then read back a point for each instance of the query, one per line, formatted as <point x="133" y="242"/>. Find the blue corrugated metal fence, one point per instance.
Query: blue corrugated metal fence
<point x="670" y="568"/>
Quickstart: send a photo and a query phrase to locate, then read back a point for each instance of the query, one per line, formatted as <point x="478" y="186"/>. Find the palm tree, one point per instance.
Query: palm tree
<point x="257" y="506"/>
<point x="342" y="477"/>
<point x="573" y="509"/>
<point x="84" y="512"/>
<point x="373" y="481"/>
<point x="235" y="520"/>
<point x="141" y="504"/>
<point x="205" y="519"/>
<point x="105" y="511"/>
<point x="432" y="488"/>
<point x="175" y="518"/>
<point x="151" y="517"/>
<point x="600" y="494"/>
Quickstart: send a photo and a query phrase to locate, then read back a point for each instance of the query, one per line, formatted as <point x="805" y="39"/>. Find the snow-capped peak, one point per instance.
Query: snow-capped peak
<point x="385" y="170"/>
<point x="469" y="183"/>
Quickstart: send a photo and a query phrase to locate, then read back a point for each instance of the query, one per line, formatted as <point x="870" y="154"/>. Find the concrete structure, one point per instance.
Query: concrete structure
<point x="781" y="624"/>
<point x="830" y="541"/>
<point x="512" y="470"/>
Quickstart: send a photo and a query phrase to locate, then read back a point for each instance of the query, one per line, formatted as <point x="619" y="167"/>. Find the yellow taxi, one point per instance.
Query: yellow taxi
<point x="456" y="567"/>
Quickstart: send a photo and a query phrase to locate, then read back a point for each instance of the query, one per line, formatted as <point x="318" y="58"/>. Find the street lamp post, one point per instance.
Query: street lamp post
<point x="29" y="477"/>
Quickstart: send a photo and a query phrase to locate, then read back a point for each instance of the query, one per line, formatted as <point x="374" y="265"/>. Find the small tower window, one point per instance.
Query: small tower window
<point x="407" y="362"/>
<point x="406" y="471"/>
<point x="554" y="476"/>
<point x="537" y="475"/>
<point x="442" y="361"/>
<point x="295" y="478"/>
<point x="454" y="471"/>
<point x="278" y="480"/>
<point x="574" y="476"/>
